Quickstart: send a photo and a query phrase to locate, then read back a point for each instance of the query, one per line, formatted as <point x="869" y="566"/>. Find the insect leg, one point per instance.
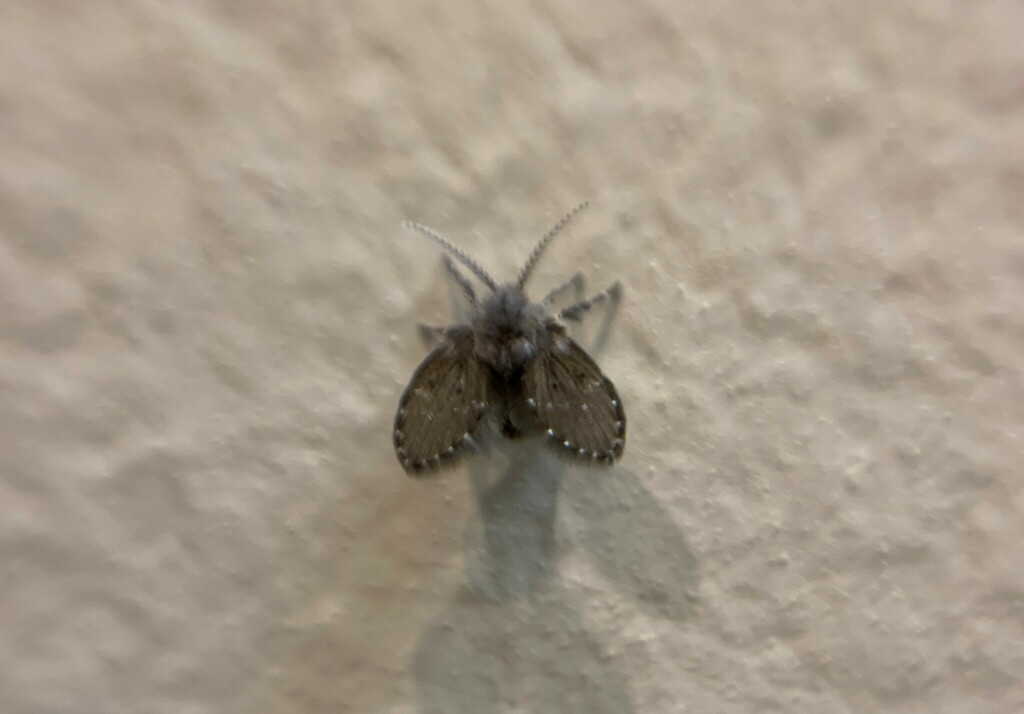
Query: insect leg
<point x="459" y="279"/>
<point x="576" y="283"/>
<point x="576" y="312"/>
<point x="430" y="335"/>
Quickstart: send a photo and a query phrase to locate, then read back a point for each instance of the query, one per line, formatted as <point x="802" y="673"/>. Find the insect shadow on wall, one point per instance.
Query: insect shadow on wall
<point x="512" y="365"/>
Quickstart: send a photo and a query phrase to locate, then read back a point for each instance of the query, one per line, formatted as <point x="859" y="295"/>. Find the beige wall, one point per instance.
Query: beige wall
<point x="209" y="310"/>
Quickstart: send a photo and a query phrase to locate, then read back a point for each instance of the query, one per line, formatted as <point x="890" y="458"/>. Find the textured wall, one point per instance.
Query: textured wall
<point x="209" y="311"/>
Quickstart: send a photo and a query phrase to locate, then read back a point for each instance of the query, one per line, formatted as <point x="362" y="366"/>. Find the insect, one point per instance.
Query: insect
<point x="514" y="364"/>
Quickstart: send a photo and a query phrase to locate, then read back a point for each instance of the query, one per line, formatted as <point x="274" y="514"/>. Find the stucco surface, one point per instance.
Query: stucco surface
<point x="209" y="311"/>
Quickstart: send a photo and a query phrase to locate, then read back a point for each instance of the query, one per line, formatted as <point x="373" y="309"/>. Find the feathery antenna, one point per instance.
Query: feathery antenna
<point x="457" y="252"/>
<point x="531" y="262"/>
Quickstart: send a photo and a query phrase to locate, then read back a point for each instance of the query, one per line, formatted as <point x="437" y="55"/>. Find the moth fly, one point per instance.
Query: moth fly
<point x="513" y="362"/>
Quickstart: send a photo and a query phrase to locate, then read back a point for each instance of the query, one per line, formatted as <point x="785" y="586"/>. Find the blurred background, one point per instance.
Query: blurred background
<point x="209" y="310"/>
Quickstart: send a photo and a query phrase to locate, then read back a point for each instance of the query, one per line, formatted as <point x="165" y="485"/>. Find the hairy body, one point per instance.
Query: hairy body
<point x="514" y="363"/>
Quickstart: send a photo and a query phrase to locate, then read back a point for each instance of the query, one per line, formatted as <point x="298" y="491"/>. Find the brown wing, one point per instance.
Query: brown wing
<point x="441" y="407"/>
<point x="576" y="403"/>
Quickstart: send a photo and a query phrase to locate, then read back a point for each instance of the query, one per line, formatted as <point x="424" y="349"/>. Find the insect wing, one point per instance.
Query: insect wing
<point x="576" y="403"/>
<point x="441" y="407"/>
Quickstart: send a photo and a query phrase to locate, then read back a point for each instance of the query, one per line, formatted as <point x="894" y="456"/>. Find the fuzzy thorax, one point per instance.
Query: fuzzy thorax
<point x="509" y="330"/>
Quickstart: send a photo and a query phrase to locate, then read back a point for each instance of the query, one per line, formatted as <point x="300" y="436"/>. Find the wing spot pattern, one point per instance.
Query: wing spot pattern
<point x="581" y="411"/>
<point x="439" y="409"/>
